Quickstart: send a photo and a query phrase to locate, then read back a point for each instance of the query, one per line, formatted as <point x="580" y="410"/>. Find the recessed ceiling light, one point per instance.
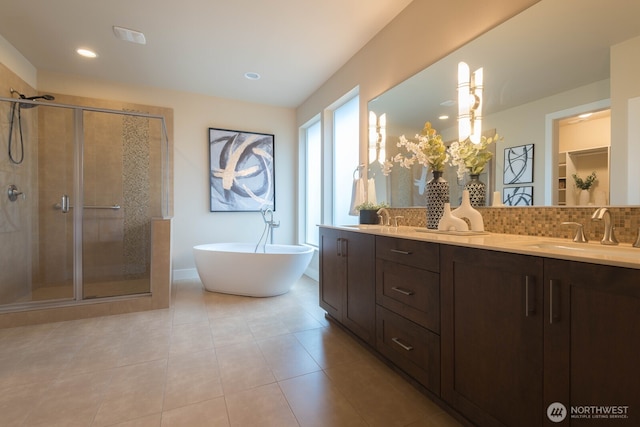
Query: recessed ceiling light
<point x="585" y="115"/>
<point x="252" y="76"/>
<point x="86" y="53"/>
<point x="443" y="117"/>
<point x="129" y="35"/>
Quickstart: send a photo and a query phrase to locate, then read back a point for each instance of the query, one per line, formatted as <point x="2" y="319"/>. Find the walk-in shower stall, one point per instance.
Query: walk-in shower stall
<point x="79" y="188"/>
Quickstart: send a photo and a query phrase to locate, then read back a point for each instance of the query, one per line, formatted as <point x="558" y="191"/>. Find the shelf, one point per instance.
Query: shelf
<point x="589" y="151"/>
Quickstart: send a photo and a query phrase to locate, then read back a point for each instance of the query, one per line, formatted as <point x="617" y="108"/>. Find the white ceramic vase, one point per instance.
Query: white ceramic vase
<point x="583" y="197"/>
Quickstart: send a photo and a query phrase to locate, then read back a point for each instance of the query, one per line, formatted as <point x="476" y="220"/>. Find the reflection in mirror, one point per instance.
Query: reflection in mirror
<point x="537" y="80"/>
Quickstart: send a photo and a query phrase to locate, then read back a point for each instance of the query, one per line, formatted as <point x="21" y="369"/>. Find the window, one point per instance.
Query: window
<point x="329" y="154"/>
<point x="346" y="148"/>
<point x="313" y="182"/>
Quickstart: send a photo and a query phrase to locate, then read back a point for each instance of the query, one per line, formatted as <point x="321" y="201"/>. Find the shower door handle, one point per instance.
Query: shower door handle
<point x="64" y="203"/>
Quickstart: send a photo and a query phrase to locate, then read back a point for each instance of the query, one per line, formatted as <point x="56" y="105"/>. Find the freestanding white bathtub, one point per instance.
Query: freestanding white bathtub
<point x="234" y="268"/>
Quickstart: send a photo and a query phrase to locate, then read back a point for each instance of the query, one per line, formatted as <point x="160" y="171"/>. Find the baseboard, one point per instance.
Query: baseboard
<point x="185" y="274"/>
<point x="313" y="273"/>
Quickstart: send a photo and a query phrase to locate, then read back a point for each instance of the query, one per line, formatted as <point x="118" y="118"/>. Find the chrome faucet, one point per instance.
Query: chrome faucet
<point x="381" y="213"/>
<point x="609" y="237"/>
<point x="269" y="225"/>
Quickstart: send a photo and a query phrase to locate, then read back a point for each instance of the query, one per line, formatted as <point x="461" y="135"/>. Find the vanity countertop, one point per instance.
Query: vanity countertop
<point x="622" y="255"/>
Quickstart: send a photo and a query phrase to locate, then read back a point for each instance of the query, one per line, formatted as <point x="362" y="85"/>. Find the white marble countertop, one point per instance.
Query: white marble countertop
<point x="622" y="255"/>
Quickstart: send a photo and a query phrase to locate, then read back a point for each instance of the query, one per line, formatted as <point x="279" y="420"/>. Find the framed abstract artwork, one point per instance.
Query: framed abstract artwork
<point x="517" y="196"/>
<point x="518" y="164"/>
<point x="241" y="170"/>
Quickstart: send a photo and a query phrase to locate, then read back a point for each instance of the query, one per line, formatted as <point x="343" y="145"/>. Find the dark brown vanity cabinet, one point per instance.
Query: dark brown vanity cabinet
<point x="347" y="280"/>
<point x="592" y="343"/>
<point x="522" y="332"/>
<point x="500" y="337"/>
<point x="492" y="334"/>
<point x="408" y="307"/>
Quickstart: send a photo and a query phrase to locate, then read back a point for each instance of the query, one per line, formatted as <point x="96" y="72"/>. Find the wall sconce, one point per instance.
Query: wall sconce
<point x="469" y="103"/>
<point x="377" y="137"/>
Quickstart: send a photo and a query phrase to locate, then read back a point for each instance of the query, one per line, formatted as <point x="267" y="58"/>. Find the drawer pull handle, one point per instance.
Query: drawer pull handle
<point x="401" y="344"/>
<point x="398" y="251"/>
<point x="402" y="291"/>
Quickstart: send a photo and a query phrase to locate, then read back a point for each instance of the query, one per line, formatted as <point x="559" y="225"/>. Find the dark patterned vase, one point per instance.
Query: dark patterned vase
<point x="477" y="191"/>
<point x="437" y="195"/>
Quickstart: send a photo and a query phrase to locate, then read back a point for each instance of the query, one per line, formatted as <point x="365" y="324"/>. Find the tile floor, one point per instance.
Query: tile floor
<point x="209" y="360"/>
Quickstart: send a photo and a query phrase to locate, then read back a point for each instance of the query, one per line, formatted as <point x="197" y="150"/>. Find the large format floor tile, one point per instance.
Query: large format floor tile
<point x="209" y="360"/>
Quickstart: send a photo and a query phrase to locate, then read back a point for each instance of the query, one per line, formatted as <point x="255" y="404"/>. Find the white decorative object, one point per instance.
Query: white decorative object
<point x="599" y="198"/>
<point x="497" y="199"/>
<point x="583" y="197"/>
<point x="465" y="210"/>
<point x="448" y="222"/>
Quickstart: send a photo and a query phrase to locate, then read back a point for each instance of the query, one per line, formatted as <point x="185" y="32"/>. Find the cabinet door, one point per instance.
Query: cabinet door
<point x="359" y="309"/>
<point x="492" y="336"/>
<point x="332" y="271"/>
<point x="592" y="342"/>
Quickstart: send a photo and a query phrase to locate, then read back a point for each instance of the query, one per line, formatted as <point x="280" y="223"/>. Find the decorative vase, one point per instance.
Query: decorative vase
<point x="583" y="197"/>
<point x="477" y="191"/>
<point x="437" y="192"/>
<point x="465" y="210"/>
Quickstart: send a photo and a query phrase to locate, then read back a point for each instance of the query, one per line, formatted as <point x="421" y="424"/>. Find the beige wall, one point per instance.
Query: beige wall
<point x="625" y="144"/>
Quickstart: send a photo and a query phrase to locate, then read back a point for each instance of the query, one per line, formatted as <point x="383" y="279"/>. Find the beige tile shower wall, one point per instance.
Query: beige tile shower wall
<point x="542" y="221"/>
<point x="18" y="230"/>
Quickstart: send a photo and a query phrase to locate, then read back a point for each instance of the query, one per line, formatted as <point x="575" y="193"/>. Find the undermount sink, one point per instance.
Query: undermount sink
<point x="595" y="249"/>
<point x="452" y="232"/>
<point x="365" y="226"/>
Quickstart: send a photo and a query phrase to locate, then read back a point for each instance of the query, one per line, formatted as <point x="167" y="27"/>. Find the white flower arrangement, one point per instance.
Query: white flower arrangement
<point x="428" y="150"/>
<point x="467" y="156"/>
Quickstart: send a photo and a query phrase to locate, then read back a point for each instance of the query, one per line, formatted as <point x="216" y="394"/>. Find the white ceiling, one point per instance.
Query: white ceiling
<point x="200" y="46"/>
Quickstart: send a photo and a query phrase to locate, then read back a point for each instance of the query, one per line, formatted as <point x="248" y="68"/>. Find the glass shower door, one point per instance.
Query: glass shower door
<point x="115" y="220"/>
<point x="53" y="222"/>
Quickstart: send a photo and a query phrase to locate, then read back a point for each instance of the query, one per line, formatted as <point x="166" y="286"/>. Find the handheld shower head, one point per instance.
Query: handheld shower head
<point x="46" y="97"/>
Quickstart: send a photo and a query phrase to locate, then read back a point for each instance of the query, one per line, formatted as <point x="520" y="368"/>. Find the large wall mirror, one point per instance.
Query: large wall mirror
<point x="545" y="70"/>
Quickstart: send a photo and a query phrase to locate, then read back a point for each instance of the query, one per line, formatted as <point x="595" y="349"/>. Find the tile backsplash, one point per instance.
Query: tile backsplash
<point x="542" y="221"/>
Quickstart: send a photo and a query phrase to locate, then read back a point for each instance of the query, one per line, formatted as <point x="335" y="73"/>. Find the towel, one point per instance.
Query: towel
<point x="357" y="196"/>
<point x="371" y="191"/>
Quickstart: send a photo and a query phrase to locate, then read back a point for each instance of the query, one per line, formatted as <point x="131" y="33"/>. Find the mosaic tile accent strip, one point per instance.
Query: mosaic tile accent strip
<point x="136" y="194"/>
<point x="543" y="221"/>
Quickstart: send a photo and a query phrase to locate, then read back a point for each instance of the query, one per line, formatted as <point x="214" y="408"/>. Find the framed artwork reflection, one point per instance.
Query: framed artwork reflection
<point x="241" y="170"/>
<point x="518" y="164"/>
<point x="517" y="196"/>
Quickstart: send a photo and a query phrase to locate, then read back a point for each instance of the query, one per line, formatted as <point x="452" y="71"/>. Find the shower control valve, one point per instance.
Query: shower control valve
<point x="13" y="193"/>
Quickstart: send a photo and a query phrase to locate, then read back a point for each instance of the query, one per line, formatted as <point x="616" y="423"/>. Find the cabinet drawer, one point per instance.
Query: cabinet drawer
<point x="413" y="349"/>
<point x="409" y="252"/>
<point x="410" y="292"/>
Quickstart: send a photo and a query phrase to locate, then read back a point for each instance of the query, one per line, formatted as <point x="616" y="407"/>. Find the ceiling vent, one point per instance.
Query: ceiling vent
<point x="129" y="35"/>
